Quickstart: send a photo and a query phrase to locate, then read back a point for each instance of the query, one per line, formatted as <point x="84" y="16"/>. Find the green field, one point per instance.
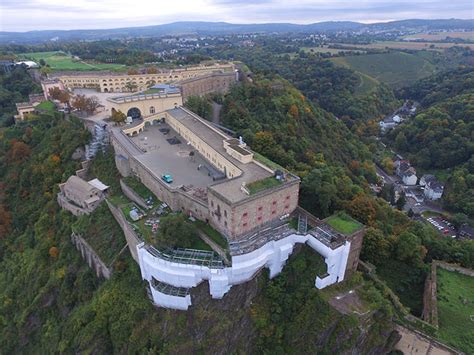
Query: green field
<point x="456" y="309"/>
<point x="328" y="50"/>
<point x="63" y="61"/>
<point x="397" y="69"/>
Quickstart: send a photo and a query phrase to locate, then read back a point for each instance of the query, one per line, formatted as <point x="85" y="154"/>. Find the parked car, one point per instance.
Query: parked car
<point x="167" y="178"/>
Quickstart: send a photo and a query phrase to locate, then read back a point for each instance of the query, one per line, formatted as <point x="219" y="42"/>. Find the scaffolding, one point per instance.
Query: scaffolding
<point x="188" y="256"/>
<point x="168" y="289"/>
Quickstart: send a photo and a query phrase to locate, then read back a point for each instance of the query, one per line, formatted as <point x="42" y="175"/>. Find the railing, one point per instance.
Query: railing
<point x="188" y="256"/>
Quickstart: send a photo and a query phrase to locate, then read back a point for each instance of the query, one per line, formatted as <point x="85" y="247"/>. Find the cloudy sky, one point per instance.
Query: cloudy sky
<point x="26" y="15"/>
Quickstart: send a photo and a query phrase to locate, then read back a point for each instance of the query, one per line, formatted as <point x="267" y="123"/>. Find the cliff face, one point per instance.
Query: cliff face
<point x="286" y="314"/>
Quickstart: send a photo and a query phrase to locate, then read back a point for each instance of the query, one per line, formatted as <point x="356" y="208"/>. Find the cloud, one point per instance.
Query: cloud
<point x="25" y="15"/>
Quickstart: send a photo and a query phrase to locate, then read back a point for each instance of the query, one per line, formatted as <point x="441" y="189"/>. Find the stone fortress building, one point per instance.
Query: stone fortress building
<point x="195" y="80"/>
<point x="212" y="177"/>
<point x="218" y="179"/>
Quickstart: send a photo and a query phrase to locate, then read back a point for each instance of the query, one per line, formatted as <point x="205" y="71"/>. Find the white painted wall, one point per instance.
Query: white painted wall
<point x="272" y="255"/>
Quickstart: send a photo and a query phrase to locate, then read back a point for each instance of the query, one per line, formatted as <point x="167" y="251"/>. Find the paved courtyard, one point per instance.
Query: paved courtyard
<point x="161" y="157"/>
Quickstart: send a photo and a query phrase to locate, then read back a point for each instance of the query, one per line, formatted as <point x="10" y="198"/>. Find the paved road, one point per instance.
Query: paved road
<point x="388" y="178"/>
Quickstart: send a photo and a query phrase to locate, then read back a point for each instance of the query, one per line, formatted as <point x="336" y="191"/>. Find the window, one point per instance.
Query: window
<point x="274" y="212"/>
<point x="152" y="109"/>
<point x="259" y="218"/>
<point x="212" y="203"/>
<point x="288" y="197"/>
<point x="274" y="203"/>
<point x="225" y="214"/>
<point x="244" y="225"/>
<point x="287" y="206"/>
<point x="260" y="208"/>
<point x="245" y="215"/>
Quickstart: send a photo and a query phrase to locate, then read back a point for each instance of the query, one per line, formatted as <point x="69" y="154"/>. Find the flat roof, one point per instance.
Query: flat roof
<point x="229" y="188"/>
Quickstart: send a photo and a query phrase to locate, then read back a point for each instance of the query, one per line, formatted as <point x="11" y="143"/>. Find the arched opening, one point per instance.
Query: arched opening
<point x="147" y="123"/>
<point x="134" y="113"/>
<point x="156" y="121"/>
<point x="111" y="90"/>
<point x="152" y="109"/>
<point x="106" y="90"/>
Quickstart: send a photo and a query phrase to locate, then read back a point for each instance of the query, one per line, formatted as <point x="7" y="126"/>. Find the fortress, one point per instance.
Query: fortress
<point x="197" y="169"/>
<point x="219" y="180"/>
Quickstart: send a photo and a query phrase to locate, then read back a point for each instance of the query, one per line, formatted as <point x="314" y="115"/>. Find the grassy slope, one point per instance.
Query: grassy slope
<point x="455" y="307"/>
<point x="397" y="69"/>
<point x="62" y="61"/>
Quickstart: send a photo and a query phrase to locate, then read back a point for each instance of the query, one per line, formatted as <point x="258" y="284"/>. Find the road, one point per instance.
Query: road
<point x="388" y="178"/>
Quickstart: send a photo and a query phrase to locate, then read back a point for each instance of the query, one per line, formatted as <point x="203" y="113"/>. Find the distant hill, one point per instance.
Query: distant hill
<point x="221" y="28"/>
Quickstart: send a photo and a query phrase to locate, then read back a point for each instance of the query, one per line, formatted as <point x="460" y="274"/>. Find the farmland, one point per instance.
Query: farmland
<point x="396" y="69"/>
<point x="63" y="61"/>
<point x="456" y="309"/>
<point x="431" y="46"/>
<point x="440" y="36"/>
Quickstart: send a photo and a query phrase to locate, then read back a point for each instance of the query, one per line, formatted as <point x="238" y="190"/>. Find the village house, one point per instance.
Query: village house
<point x="81" y="197"/>
<point x="406" y="172"/>
<point x="433" y="188"/>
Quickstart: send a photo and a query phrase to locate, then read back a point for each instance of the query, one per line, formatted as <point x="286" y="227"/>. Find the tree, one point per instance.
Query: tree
<point x="58" y="94"/>
<point x="53" y="252"/>
<point x="376" y="247"/>
<point x="401" y="142"/>
<point x="42" y="62"/>
<point x="132" y="72"/>
<point x="18" y="152"/>
<point x="402" y="200"/>
<point x="152" y="70"/>
<point x="5" y="221"/>
<point x="45" y="70"/>
<point x="118" y="117"/>
<point x="408" y="248"/>
<point x="131" y="86"/>
<point x="86" y="104"/>
<point x="175" y="231"/>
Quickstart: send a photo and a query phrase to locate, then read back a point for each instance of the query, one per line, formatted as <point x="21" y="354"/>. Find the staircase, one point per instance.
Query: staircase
<point x="302" y="224"/>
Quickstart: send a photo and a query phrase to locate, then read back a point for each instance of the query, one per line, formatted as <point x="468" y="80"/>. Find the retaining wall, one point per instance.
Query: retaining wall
<point x="91" y="257"/>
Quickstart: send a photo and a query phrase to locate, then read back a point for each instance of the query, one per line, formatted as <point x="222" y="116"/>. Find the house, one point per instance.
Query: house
<point x="406" y="172"/>
<point x="433" y="188"/>
<point x="81" y="197"/>
<point x="26" y="108"/>
<point x="387" y="124"/>
<point x="425" y="179"/>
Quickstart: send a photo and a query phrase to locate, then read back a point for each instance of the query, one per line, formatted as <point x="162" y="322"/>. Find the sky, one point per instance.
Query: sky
<point x="27" y="15"/>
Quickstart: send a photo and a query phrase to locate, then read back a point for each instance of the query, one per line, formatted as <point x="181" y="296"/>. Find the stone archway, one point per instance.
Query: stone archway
<point x="106" y="90"/>
<point x="147" y="123"/>
<point x="135" y="113"/>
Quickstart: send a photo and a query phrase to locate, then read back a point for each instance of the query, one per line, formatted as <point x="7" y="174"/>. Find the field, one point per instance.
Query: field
<point x="432" y="46"/>
<point x="396" y="69"/>
<point x="328" y="50"/>
<point x="442" y="36"/>
<point x="456" y="309"/>
<point x="63" y="61"/>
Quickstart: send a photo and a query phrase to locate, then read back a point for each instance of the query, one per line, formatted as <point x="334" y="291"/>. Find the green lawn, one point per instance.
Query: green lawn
<point x="265" y="161"/>
<point x="343" y="223"/>
<point x="455" y="309"/>
<point x="263" y="184"/>
<point x="397" y="69"/>
<point x="63" y="61"/>
<point x="47" y="106"/>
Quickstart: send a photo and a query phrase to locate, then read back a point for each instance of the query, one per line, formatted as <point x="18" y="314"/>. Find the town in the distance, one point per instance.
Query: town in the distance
<point x="216" y="188"/>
